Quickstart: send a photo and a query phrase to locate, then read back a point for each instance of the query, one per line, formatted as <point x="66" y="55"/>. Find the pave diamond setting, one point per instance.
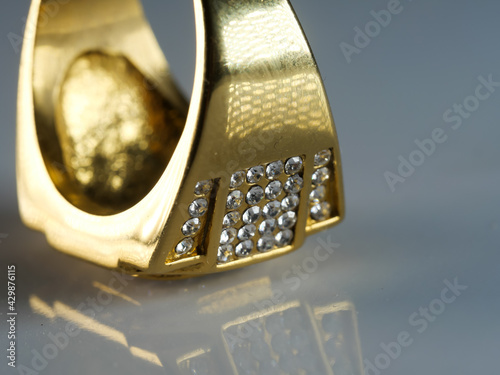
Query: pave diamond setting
<point x="322" y="158"/>
<point x="237" y="179"/>
<point x="255" y="195"/>
<point x="294" y="184"/>
<point x="231" y="219"/>
<point x="274" y="169"/>
<point x="252" y="215"/>
<point x="225" y="253"/>
<point x="198" y="208"/>
<point x="203" y="187"/>
<point x="293" y="165"/>
<point x="321" y="211"/>
<point x="243" y="249"/>
<point x="319" y="207"/>
<point x="255" y="174"/>
<point x="273" y="190"/>
<point x="192" y="227"/>
<point x="234" y="200"/>
<point x="261" y="209"/>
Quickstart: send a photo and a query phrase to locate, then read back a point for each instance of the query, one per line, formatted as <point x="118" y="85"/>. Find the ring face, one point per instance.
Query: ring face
<point x="256" y="169"/>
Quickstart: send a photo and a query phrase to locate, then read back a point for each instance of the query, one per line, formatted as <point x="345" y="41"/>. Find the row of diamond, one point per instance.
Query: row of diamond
<point x="320" y="209"/>
<point x="264" y="217"/>
<point x="196" y="210"/>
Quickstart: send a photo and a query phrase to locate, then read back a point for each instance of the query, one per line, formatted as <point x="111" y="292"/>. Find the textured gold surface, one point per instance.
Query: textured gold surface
<point x="109" y="153"/>
<point x="117" y="134"/>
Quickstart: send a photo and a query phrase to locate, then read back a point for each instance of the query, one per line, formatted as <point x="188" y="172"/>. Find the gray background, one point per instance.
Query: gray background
<point x="396" y="248"/>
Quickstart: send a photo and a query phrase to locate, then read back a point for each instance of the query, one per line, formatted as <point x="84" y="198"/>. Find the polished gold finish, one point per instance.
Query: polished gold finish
<point x="115" y="167"/>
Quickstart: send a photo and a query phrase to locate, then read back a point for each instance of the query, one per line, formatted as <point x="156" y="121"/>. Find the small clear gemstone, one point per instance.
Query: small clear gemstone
<point x="255" y="174"/>
<point x="293" y="165"/>
<point x="185" y="246"/>
<point x="287" y="220"/>
<point x="272" y="209"/>
<point x="290" y="202"/>
<point x="255" y="195"/>
<point x="191" y="227"/>
<point x="267" y="227"/>
<point x="237" y="179"/>
<point x="294" y="184"/>
<point x="225" y="253"/>
<point x="203" y="187"/>
<point x="251" y="215"/>
<point x="320" y="176"/>
<point x="247" y="232"/>
<point x="322" y="158"/>
<point x="243" y="249"/>
<point x="273" y="190"/>
<point x="317" y="195"/>
<point x="321" y="211"/>
<point x="266" y="243"/>
<point x="274" y="169"/>
<point x="284" y="238"/>
<point x="228" y="235"/>
<point x="231" y="219"/>
<point x="234" y="200"/>
<point x="198" y="208"/>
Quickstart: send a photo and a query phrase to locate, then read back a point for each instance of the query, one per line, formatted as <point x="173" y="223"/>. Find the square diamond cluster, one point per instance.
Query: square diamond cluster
<point x="261" y="209"/>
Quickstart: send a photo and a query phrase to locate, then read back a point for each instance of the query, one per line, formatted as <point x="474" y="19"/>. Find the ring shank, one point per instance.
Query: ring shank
<point x="107" y="111"/>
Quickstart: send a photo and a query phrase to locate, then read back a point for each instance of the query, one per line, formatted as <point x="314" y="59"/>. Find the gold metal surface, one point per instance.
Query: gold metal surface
<point x="109" y="152"/>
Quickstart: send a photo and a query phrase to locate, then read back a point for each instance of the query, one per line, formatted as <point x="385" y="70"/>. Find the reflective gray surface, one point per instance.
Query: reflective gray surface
<point x="411" y="277"/>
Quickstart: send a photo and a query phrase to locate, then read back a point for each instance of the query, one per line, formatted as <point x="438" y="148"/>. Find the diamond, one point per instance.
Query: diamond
<point x="274" y="169"/>
<point x="272" y="209"/>
<point x="228" y="235"/>
<point x="247" y="232"/>
<point x="251" y="215"/>
<point x="243" y="249"/>
<point x="322" y="158"/>
<point x="234" y="200"/>
<point x="191" y="226"/>
<point x="237" y="179"/>
<point x="317" y="195"/>
<point x="320" y="176"/>
<point x="231" y="219"/>
<point x="290" y="202"/>
<point x="273" y="190"/>
<point x="284" y="238"/>
<point x="294" y="184"/>
<point x="287" y="220"/>
<point x="293" y="165"/>
<point x="255" y="195"/>
<point x="321" y="211"/>
<point x="225" y="253"/>
<point x="198" y="208"/>
<point x="266" y="243"/>
<point x="255" y="174"/>
<point x="267" y="227"/>
<point x="185" y="246"/>
<point x="203" y="187"/>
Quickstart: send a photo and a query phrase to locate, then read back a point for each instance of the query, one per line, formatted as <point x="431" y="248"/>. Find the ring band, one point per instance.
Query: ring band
<point x="117" y="168"/>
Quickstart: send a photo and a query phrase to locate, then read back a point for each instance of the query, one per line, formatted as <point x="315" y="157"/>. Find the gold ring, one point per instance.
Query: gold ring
<point x="117" y="168"/>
